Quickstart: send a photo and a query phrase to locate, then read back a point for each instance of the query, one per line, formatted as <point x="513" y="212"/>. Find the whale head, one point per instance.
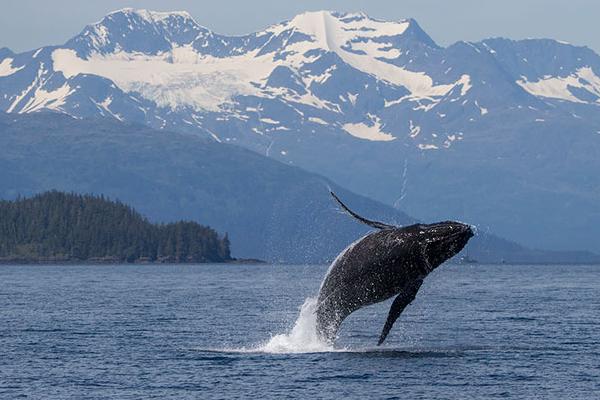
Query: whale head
<point x="442" y="240"/>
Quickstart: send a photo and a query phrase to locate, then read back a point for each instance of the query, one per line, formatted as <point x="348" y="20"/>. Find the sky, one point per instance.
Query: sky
<point x="29" y="24"/>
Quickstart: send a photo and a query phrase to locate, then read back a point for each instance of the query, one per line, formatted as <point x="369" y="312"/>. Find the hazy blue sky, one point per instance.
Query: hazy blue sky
<point x="27" y="24"/>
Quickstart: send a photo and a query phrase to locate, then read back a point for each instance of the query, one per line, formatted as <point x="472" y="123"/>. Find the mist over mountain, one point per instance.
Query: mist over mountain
<point x="500" y="133"/>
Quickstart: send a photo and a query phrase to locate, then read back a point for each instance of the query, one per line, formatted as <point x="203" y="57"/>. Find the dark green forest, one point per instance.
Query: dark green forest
<point x="56" y="226"/>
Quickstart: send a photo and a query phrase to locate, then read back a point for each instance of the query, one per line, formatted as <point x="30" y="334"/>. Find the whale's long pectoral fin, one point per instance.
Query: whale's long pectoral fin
<point x="374" y="224"/>
<point x="400" y="302"/>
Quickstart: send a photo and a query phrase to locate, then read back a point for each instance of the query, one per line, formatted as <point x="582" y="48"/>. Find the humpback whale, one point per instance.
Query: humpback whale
<point x="390" y="261"/>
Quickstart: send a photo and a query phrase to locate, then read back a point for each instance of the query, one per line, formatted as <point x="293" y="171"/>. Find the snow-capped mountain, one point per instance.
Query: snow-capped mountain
<point x="378" y="106"/>
<point x="346" y="74"/>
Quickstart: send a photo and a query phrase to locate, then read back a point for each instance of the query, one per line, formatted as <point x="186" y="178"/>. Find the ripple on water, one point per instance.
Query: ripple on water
<point x="186" y="332"/>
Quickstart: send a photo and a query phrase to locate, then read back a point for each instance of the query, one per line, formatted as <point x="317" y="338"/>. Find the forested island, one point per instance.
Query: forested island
<point x="67" y="227"/>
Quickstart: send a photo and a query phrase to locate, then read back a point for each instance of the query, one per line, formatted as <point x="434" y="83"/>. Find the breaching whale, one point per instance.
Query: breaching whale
<point x="391" y="261"/>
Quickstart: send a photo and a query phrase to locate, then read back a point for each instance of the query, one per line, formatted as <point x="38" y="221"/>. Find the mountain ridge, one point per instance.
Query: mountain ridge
<point x="364" y="102"/>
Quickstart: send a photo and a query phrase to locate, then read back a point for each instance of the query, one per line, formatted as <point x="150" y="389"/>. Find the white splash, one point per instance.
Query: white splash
<point x="302" y="338"/>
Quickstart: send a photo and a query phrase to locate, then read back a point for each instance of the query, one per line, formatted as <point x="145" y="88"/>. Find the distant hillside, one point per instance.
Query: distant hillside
<point x="56" y="226"/>
<point x="272" y="211"/>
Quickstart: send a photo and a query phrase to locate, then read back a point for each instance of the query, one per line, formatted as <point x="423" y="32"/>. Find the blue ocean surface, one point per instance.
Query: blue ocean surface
<point x="234" y="331"/>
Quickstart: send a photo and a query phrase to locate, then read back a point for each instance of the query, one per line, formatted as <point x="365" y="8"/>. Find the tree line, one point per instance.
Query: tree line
<point x="57" y="226"/>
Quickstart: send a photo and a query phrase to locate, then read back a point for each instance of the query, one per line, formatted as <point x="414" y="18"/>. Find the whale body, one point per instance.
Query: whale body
<point x="391" y="261"/>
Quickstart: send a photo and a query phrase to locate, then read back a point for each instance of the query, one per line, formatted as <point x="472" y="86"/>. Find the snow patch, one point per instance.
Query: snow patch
<point x="43" y="99"/>
<point x="317" y="120"/>
<point x="465" y="82"/>
<point x="322" y="78"/>
<point x="558" y="87"/>
<point x="368" y="132"/>
<point x="482" y="110"/>
<point x="6" y="67"/>
<point x="352" y="98"/>
<point x="390" y="103"/>
<point x="105" y="104"/>
<point x="414" y="129"/>
<point x="376" y="49"/>
<point x="269" y="121"/>
<point x="449" y="140"/>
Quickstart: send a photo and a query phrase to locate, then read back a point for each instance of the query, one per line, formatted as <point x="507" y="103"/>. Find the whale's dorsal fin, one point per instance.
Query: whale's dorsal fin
<point x="374" y="224"/>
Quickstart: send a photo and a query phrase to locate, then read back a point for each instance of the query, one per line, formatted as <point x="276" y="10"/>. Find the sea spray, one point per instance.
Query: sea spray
<point x="303" y="337"/>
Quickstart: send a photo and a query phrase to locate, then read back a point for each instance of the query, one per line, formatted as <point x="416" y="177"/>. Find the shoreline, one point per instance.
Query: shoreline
<point x="254" y="262"/>
<point x="248" y="261"/>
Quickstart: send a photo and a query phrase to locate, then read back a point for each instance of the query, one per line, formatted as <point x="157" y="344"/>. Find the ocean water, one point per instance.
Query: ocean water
<point x="235" y="331"/>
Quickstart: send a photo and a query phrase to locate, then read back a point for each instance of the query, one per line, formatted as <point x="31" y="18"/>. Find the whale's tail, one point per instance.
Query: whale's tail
<point x="374" y="224"/>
